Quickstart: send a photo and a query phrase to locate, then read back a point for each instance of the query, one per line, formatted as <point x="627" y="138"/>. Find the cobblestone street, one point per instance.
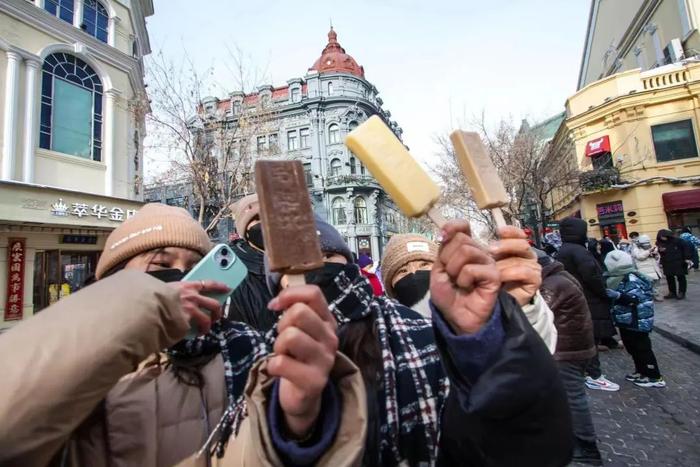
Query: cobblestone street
<point x="637" y="426"/>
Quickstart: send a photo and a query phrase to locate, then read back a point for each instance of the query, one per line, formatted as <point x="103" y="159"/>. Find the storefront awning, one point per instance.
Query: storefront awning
<point x="598" y="146"/>
<point x="681" y="200"/>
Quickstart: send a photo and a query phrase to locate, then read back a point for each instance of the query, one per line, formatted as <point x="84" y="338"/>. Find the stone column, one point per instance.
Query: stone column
<point x="9" y="141"/>
<point x="109" y="119"/>
<point x="30" y="119"/>
<point x="112" y="31"/>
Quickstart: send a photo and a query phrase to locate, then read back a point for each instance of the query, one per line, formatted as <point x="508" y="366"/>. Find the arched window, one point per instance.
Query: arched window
<point x="333" y="134"/>
<point x="71" y="107"/>
<point x="353" y="165"/>
<point x="360" y="210"/>
<point x="330" y="88"/>
<point x="60" y="8"/>
<point x="95" y="19"/>
<point x="339" y="217"/>
<point x="336" y="167"/>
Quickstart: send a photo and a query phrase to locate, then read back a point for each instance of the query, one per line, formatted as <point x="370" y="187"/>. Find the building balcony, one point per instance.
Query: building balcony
<point x="599" y="179"/>
<point x="629" y="83"/>
<point x="343" y="181"/>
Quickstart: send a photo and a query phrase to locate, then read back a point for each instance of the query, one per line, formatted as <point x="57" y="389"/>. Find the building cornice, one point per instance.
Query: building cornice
<point x="643" y="98"/>
<point x="29" y="13"/>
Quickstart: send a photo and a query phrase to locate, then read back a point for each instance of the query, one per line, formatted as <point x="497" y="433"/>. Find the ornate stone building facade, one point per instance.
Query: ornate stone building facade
<point x="311" y="117"/>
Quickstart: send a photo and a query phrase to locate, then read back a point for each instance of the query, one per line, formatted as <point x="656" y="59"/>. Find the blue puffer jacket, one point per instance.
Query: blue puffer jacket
<point x="634" y="309"/>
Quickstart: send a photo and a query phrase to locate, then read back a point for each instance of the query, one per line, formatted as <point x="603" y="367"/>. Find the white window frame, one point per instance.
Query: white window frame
<point x="306" y="137"/>
<point x="295" y="138"/>
<point x="337" y="129"/>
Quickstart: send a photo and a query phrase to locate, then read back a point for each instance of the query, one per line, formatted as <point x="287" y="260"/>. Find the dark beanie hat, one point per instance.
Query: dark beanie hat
<point x="331" y="242"/>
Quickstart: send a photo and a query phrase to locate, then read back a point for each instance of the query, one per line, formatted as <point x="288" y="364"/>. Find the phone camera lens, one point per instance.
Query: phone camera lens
<point x="224" y="262"/>
<point x="224" y="252"/>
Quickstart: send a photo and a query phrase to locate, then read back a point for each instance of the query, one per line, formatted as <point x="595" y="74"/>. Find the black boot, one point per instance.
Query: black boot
<point x="671" y="295"/>
<point x="681" y="296"/>
<point x="586" y="452"/>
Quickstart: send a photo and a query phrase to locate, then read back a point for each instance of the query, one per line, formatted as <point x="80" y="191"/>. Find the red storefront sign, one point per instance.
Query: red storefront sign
<point x="14" y="304"/>
<point x="598" y="146"/>
<point x="607" y="210"/>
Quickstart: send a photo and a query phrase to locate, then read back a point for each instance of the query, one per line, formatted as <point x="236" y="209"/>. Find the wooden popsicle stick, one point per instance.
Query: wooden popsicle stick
<point x="437" y="217"/>
<point x="296" y="279"/>
<point x="498" y="218"/>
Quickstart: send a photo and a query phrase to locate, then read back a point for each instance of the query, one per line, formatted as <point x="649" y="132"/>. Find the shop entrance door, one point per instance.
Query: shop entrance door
<point x="364" y="246"/>
<point x="59" y="273"/>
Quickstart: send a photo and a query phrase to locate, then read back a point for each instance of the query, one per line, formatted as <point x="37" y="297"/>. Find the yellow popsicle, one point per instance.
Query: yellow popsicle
<point x="391" y="164"/>
<point x="485" y="184"/>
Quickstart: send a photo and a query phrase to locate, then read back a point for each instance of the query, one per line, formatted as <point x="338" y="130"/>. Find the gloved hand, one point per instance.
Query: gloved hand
<point x="614" y="294"/>
<point x="627" y="300"/>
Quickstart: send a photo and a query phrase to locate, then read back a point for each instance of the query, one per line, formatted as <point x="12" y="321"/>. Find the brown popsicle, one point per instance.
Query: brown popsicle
<point x="288" y="226"/>
<point x="483" y="180"/>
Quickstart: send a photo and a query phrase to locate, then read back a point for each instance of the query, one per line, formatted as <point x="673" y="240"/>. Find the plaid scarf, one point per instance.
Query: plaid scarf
<point x="414" y="386"/>
<point x="240" y="347"/>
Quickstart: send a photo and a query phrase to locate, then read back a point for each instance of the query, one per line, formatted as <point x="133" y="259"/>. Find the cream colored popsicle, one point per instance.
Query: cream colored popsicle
<point x="399" y="174"/>
<point x="482" y="178"/>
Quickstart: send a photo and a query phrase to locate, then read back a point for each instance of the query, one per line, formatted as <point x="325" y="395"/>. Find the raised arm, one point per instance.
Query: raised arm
<point x="71" y="354"/>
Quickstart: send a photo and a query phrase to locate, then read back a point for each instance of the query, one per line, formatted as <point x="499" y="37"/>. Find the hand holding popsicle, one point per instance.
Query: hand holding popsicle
<point x="305" y="354"/>
<point x="306" y="344"/>
<point x="520" y="272"/>
<point x="464" y="281"/>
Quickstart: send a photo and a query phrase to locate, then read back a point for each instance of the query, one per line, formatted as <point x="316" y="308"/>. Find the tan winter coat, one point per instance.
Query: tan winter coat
<point x="69" y="388"/>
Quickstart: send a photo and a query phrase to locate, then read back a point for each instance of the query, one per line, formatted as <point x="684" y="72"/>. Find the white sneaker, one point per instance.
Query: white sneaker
<point x="650" y="383"/>
<point x="601" y="384"/>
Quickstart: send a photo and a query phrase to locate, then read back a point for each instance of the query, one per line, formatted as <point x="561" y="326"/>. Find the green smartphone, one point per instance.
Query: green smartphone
<point x="222" y="265"/>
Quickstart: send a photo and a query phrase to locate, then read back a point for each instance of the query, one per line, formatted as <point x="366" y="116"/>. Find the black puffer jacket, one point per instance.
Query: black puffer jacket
<point x="565" y="298"/>
<point x="249" y="301"/>
<point x="674" y="252"/>
<point x="580" y="263"/>
<point x="515" y="413"/>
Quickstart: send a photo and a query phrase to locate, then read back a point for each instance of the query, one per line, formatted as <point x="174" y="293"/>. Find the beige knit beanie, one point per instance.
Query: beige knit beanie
<point x="401" y="250"/>
<point x="244" y="211"/>
<point x="154" y="226"/>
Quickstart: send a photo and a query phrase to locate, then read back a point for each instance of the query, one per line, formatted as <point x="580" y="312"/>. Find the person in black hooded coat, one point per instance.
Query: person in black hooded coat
<point x="580" y="263"/>
<point x="674" y="254"/>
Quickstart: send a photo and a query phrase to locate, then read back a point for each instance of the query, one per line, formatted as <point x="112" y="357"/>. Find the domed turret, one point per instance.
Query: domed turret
<point x="334" y="59"/>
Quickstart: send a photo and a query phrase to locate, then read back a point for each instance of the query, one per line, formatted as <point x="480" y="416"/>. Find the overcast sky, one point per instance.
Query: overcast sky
<point x="436" y="63"/>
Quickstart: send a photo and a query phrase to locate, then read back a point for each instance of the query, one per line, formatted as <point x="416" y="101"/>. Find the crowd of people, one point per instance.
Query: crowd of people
<point x="444" y="353"/>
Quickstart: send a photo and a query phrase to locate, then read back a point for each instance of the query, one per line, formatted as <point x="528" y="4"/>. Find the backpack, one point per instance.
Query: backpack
<point x="636" y="314"/>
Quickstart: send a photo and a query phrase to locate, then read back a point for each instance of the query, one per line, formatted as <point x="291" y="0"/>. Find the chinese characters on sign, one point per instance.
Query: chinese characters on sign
<point x="608" y="210"/>
<point x="15" y="279"/>
<point x="114" y="214"/>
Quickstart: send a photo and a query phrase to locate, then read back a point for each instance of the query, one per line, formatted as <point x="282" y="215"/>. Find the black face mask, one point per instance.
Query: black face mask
<point x="255" y="237"/>
<point x="324" y="277"/>
<point x="411" y="288"/>
<point x="168" y="275"/>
